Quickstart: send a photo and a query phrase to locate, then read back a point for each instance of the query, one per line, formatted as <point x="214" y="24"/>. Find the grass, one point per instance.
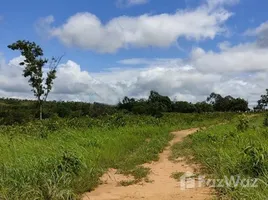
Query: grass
<point x="138" y="172"/>
<point x="62" y="159"/>
<point x="236" y="149"/>
<point x="129" y="182"/>
<point x="177" y="175"/>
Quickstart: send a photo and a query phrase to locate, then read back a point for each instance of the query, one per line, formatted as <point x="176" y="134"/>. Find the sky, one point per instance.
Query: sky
<point x="184" y="49"/>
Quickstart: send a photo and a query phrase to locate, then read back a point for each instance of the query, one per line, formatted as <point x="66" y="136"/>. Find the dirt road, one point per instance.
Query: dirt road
<point x="161" y="186"/>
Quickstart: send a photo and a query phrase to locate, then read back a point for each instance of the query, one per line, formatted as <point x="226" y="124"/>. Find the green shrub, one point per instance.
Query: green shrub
<point x="265" y="121"/>
<point x="243" y="123"/>
<point x="255" y="161"/>
<point x="69" y="163"/>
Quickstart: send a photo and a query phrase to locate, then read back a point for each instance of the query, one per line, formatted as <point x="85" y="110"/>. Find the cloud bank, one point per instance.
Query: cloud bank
<point x="241" y="71"/>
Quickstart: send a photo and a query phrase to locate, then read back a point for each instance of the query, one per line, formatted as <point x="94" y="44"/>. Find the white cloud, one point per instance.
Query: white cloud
<point x="258" y="30"/>
<point x="247" y="57"/>
<point x="217" y="3"/>
<point x="43" y="25"/>
<point x="154" y="62"/>
<point x="224" y="45"/>
<point x="240" y="71"/>
<point x="85" y="30"/>
<point x="11" y="80"/>
<point x="128" y="3"/>
<point x="261" y="33"/>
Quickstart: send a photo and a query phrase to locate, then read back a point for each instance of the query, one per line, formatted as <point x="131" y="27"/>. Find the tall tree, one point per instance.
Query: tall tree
<point x="263" y="102"/>
<point x="163" y="103"/>
<point x="33" y="69"/>
<point x="227" y="103"/>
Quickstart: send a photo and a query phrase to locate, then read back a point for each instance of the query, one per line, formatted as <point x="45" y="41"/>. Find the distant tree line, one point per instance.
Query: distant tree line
<point x="156" y="104"/>
<point x="20" y="111"/>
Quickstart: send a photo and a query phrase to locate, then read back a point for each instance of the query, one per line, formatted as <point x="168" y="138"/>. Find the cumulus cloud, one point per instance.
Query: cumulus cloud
<point x="261" y="33"/>
<point x="248" y="57"/>
<point x="258" y="30"/>
<point x="85" y="30"/>
<point x="43" y="25"/>
<point x="12" y="84"/>
<point x="240" y="71"/>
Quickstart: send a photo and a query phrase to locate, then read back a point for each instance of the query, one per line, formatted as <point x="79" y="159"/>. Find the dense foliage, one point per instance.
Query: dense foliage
<point x="156" y="104"/>
<point x="227" y="103"/>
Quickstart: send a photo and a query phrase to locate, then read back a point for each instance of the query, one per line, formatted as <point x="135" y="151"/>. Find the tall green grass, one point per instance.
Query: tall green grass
<point x="61" y="159"/>
<point x="236" y="149"/>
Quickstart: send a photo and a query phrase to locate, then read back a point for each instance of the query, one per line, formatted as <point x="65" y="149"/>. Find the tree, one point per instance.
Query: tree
<point x="164" y="103"/>
<point x="227" y="103"/>
<point x="127" y="103"/>
<point x="33" y="69"/>
<point x="263" y="102"/>
<point x="238" y="104"/>
<point x="203" y="107"/>
<point x="183" y="107"/>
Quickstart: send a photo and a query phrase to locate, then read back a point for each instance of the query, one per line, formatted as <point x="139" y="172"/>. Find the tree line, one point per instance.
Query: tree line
<point x="14" y="111"/>
<point x="21" y="111"/>
<point x="156" y="104"/>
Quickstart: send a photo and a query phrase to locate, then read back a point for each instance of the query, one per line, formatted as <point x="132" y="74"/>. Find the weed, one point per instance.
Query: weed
<point x="127" y="183"/>
<point x="265" y="121"/>
<point x="243" y="123"/>
<point x="177" y="175"/>
<point x="69" y="163"/>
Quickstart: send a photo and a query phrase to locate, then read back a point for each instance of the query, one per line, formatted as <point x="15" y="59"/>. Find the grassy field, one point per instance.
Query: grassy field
<point x="61" y="159"/>
<point x="238" y="149"/>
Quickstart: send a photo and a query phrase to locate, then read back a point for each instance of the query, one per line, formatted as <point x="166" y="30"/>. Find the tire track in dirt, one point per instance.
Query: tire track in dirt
<point x="161" y="186"/>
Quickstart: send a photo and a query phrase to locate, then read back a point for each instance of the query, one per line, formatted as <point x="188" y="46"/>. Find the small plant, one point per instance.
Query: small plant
<point x="255" y="159"/>
<point x="139" y="172"/>
<point x="69" y="163"/>
<point x="177" y="175"/>
<point x="265" y="121"/>
<point x="127" y="183"/>
<point x="243" y="123"/>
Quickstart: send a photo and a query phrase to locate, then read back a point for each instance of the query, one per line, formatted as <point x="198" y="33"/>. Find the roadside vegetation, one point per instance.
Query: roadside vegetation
<point x="237" y="149"/>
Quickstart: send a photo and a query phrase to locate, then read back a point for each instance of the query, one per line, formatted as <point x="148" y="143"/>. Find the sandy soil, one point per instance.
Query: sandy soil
<point x="161" y="186"/>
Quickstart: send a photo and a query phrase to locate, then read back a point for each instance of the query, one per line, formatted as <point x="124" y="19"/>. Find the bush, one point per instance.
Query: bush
<point x="265" y="121"/>
<point x="243" y="123"/>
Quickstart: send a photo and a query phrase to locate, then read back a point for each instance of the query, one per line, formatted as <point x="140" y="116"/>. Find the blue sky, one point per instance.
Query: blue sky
<point x="19" y="19"/>
<point x="162" y="40"/>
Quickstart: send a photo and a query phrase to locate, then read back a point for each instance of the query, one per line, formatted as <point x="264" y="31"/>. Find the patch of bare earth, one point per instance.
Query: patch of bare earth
<point x="161" y="185"/>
